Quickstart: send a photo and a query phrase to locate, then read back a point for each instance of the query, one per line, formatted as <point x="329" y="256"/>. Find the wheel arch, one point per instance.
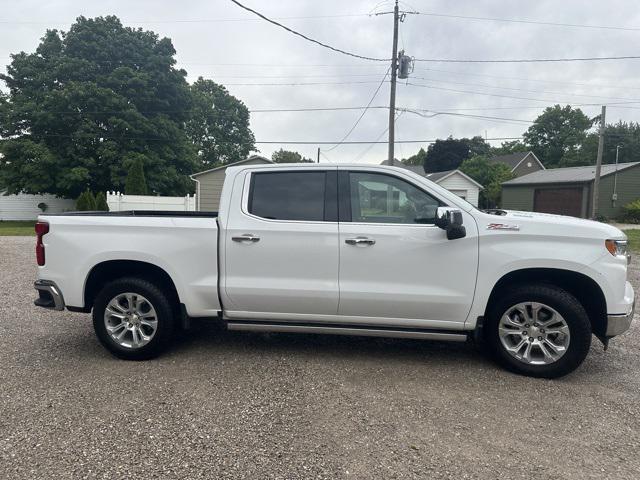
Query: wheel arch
<point x="581" y="286"/>
<point x="109" y="270"/>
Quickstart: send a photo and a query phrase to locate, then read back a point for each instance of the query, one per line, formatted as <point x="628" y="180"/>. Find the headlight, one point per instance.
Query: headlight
<point x="616" y="247"/>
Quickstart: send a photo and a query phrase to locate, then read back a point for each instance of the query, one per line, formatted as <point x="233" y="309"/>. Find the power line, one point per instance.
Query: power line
<point x="527" y="60"/>
<point x="432" y="114"/>
<point x="297" y="84"/>
<point x="500" y="87"/>
<point x="363" y="112"/>
<point x="344" y="52"/>
<point x="505" y="96"/>
<point x="99" y="137"/>
<point x="193" y="20"/>
<point x="376" y="141"/>
<point x="531" y="22"/>
<point x="534" y="80"/>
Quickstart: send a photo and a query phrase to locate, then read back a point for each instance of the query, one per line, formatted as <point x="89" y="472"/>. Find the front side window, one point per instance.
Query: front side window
<point x="288" y="195"/>
<point x="379" y="198"/>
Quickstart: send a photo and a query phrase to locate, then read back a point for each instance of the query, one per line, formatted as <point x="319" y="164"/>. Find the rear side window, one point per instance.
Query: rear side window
<point x="288" y="195"/>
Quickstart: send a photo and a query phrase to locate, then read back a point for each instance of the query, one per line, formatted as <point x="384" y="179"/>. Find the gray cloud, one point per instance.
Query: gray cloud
<point x="253" y="51"/>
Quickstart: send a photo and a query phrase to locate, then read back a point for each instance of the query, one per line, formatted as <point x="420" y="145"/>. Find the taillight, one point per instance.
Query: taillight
<point x="42" y="228"/>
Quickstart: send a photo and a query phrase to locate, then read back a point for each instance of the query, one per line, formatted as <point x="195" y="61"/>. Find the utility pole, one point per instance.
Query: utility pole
<point x="318" y="154"/>
<point x="394" y="71"/>
<point x="596" y="181"/>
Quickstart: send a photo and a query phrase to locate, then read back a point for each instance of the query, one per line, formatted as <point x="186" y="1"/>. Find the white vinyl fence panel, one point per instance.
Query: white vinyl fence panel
<point x="25" y="207"/>
<point x="118" y="202"/>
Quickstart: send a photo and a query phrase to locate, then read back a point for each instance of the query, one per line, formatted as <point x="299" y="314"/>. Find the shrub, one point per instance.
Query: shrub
<point x="136" y="183"/>
<point x="86" y="202"/>
<point x="101" y="202"/>
<point x="632" y="211"/>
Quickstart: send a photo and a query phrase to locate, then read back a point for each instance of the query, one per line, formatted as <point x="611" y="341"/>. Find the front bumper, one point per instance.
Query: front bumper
<point x="620" y="323"/>
<point x="49" y="295"/>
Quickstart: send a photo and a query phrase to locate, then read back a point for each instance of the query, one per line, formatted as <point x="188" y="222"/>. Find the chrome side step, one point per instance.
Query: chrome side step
<point x="342" y="330"/>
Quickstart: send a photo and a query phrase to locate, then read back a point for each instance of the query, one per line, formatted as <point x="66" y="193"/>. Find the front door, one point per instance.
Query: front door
<point x="394" y="262"/>
<point x="281" y="247"/>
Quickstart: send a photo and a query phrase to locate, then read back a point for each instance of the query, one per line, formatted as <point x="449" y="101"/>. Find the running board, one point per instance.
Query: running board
<point x="347" y="330"/>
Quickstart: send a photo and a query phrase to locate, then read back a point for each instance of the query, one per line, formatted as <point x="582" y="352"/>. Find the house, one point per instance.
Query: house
<point x="569" y="191"/>
<point x="209" y="183"/>
<point x="520" y="163"/>
<point x="453" y="180"/>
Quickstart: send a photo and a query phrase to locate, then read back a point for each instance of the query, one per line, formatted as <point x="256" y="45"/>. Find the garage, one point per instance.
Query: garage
<point x="569" y="191"/>
<point x="564" y="201"/>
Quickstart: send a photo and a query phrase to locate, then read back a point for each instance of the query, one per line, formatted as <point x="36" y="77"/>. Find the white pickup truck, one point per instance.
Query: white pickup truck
<point x="343" y="249"/>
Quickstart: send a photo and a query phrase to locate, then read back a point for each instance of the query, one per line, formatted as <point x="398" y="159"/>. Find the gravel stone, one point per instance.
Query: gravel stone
<point x="234" y="405"/>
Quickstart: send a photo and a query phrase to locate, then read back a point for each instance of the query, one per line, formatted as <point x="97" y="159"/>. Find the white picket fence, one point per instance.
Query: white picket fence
<point x="118" y="201"/>
<point x="25" y="207"/>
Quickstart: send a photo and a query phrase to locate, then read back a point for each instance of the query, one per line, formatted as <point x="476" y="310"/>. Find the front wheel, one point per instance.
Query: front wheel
<point x="133" y="319"/>
<point x="539" y="331"/>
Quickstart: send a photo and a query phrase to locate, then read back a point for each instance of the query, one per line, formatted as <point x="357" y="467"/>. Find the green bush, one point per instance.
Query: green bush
<point x="86" y="202"/>
<point x="101" y="202"/>
<point x="632" y="211"/>
<point x="136" y="184"/>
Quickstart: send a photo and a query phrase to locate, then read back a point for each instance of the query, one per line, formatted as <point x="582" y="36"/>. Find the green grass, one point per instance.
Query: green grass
<point x="634" y="240"/>
<point x="12" y="229"/>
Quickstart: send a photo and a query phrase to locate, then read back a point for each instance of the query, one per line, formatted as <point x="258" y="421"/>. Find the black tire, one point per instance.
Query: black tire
<point x="566" y="305"/>
<point x="166" y="323"/>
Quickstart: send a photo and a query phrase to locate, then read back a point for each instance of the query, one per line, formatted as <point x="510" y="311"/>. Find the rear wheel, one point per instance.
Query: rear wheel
<point x="133" y="319"/>
<point x="539" y="330"/>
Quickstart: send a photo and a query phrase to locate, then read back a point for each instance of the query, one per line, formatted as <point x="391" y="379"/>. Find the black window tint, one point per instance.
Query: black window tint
<point x="379" y="198"/>
<point x="288" y="195"/>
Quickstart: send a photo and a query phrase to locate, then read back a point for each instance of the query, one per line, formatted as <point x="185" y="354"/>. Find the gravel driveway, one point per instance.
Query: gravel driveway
<point x="234" y="405"/>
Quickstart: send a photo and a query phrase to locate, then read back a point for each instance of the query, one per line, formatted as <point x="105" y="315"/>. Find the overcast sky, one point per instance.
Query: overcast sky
<point x="218" y="40"/>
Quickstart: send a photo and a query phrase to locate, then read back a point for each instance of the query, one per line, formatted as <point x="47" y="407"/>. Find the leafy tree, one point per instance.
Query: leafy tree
<point x="86" y="202"/>
<point x="219" y="125"/>
<point x="84" y="101"/>
<point x="627" y="135"/>
<point x="287" y="156"/>
<point x="417" y="159"/>
<point x="490" y="176"/>
<point x="136" y="183"/>
<point x="557" y="135"/>
<point x="101" y="202"/>
<point x="513" y="146"/>
<point x="450" y="153"/>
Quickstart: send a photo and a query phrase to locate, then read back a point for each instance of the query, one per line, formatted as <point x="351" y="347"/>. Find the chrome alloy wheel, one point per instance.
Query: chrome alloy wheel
<point x="131" y="320"/>
<point x="534" y="333"/>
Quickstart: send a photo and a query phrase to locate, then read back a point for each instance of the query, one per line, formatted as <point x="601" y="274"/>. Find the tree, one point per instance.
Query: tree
<point x="287" y="156"/>
<point x="219" y="125"/>
<point x="490" y="176"/>
<point x="85" y="100"/>
<point x="101" y="202"/>
<point x="136" y="183"/>
<point x="557" y="135"/>
<point x="513" y="146"/>
<point x="450" y="153"/>
<point x="627" y="135"/>
<point x="86" y="202"/>
<point x="417" y="159"/>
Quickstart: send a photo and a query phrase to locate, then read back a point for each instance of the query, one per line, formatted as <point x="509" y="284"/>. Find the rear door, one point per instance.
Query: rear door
<point x="281" y="244"/>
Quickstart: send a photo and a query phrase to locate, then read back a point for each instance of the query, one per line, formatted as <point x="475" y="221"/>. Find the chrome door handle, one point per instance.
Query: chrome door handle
<point x="247" y="237"/>
<point x="360" y="241"/>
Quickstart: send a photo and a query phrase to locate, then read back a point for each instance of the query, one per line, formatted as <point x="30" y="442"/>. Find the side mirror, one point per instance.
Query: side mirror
<point x="450" y="220"/>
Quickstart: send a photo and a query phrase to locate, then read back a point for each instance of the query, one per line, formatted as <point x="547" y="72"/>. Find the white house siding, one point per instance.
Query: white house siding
<point x="25" y="207"/>
<point x="462" y="187"/>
